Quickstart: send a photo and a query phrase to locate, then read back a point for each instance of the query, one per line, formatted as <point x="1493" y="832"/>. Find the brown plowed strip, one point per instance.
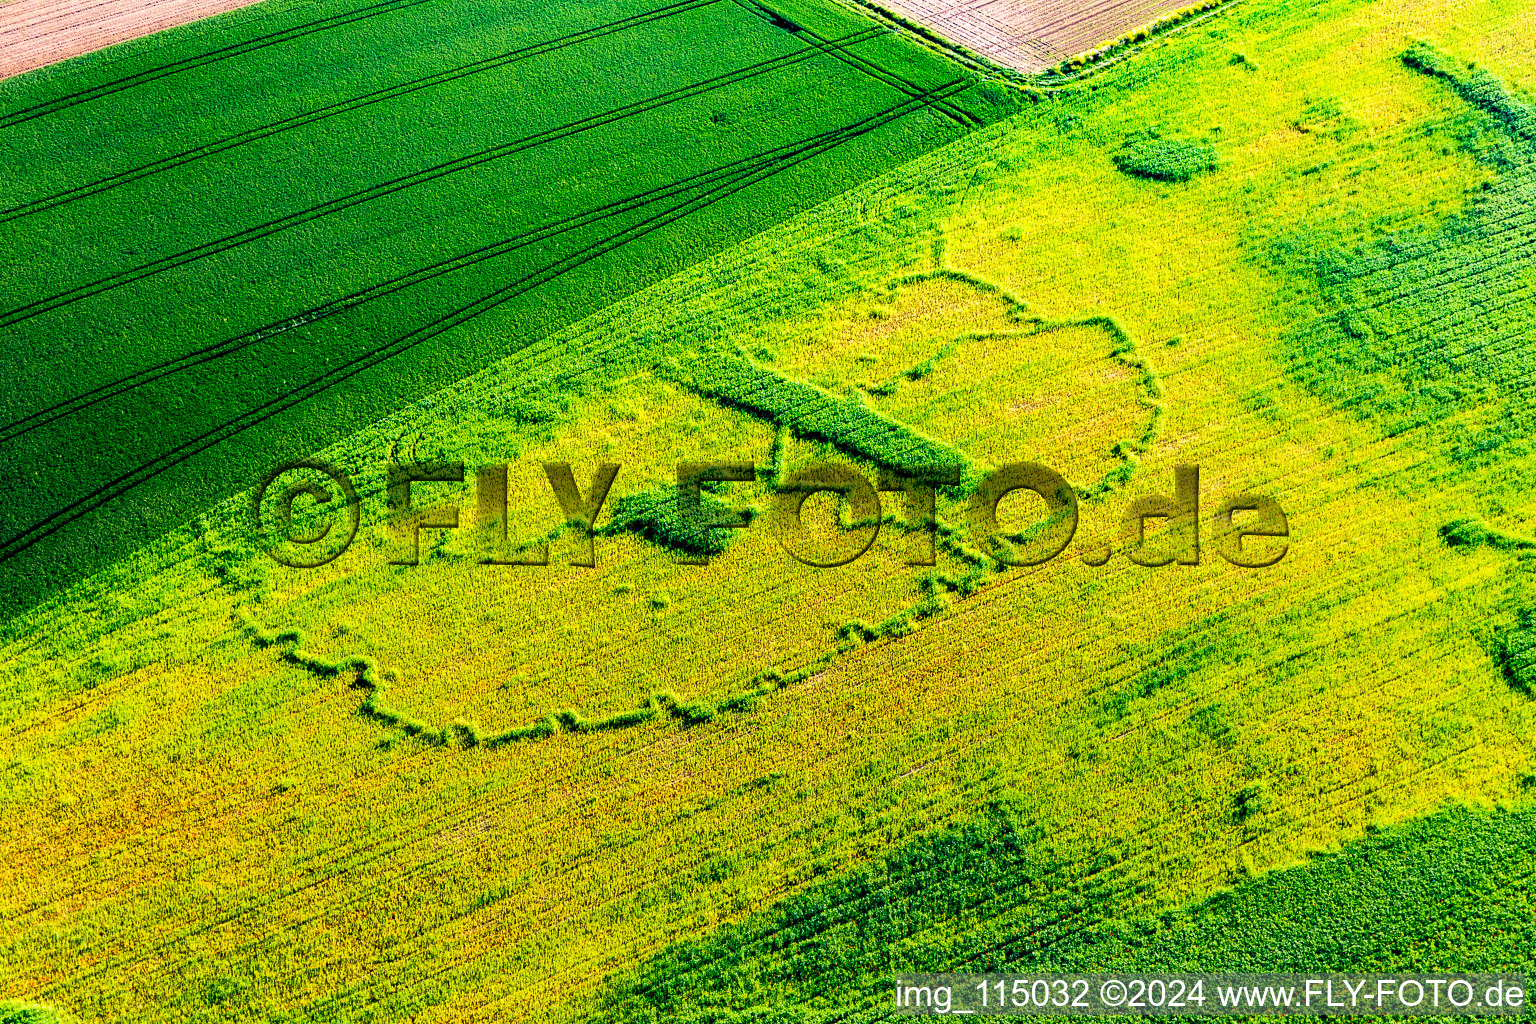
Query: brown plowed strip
<point x="1032" y="35"/>
<point x="36" y="33"/>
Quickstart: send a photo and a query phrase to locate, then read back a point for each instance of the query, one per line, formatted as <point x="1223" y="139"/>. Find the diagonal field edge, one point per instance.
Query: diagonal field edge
<point x="885" y="76"/>
<point x="95" y="92"/>
<point x="889" y="116"/>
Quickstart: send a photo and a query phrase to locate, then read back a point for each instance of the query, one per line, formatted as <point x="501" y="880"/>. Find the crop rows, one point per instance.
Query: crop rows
<point x="1031" y="36"/>
<point x="813" y="413"/>
<point x="37" y="33"/>
<point x="101" y="286"/>
<point x="347" y="106"/>
<point x="730" y="173"/>
<point x="145" y="472"/>
<point x="223" y="53"/>
<point x="1444" y="318"/>
<point x="1368" y="907"/>
<point x="975" y="769"/>
<point x="565" y="233"/>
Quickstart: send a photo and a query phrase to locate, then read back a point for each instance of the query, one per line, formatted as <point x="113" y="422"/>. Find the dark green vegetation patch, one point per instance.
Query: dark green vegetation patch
<point x="1422" y="325"/>
<point x="1150" y="155"/>
<point x="27" y="1013"/>
<point x="812" y="413"/>
<point x="1446" y="893"/>
<point x="1469" y="532"/>
<point x="655" y="515"/>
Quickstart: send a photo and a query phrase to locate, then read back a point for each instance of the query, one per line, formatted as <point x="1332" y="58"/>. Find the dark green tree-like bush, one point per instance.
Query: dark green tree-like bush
<point x="1149" y="155"/>
<point x="655" y="515"/>
<point x="1518" y="653"/>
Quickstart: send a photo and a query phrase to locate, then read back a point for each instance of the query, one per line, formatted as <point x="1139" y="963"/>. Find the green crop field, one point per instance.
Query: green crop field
<point x="261" y="250"/>
<point x="1449" y="892"/>
<point x="549" y="758"/>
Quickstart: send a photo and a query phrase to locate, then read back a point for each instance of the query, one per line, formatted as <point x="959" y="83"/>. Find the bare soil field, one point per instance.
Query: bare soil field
<point x="36" y="33"/>
<point x="1032" y="35"/>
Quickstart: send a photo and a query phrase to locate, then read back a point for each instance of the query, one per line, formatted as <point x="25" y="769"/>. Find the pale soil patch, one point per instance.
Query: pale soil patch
<point x="1032" y="35"/>
<point x="36" y="33"/>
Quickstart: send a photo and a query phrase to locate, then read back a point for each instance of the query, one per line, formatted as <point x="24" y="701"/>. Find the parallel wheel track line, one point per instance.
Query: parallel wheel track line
<point x="569" y="130"/>
<point x="308" y="117"/>
<point x="127" y="384"/>
<point x="147" y="471"/>
<point x="95" y="92"/>
<point x="661" y="220"/>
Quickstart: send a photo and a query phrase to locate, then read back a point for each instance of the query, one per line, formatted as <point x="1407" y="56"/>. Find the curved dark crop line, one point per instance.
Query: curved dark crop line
<point x="346" y="106"/>
<point x="351" y="855"/>
<point x="209" y="353"/>
<point x="788" y="933"/>
<point x="186" y="450"/>
<point x="659" y="706"/>
<point x="763" y="685"/>
<point x="874" y="70"/>
<point x="117" y="85"/>
<point x="325" y="209"/>
<point x="1094" y="881"/>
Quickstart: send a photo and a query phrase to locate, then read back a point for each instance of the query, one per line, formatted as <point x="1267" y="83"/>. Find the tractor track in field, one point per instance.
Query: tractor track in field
<point x="25" y="24"/>
<point x="382" y="848"/>
<point x="145" y="472"/>
<point x="863" y="65"/>
<point x="346" y="106"/>
<point x="569" y="130"/>
<point x="322" y="311"/>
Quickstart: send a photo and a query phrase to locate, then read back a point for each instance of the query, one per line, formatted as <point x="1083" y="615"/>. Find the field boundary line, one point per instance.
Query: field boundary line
<point x="321" y="311"/>
<point x="128" y="481"/>
<point x="659" y="706"/>
<point x="1048" y="79"/>
<point x="886" y="77"/>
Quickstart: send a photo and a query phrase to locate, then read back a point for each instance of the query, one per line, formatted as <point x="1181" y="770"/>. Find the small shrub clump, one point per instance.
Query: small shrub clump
<point x="655" y="515"/>
<point x="27" y="1013"/>
<point x="1148" y="155"/>
<point x="1518" y="654"/>
<point x="1473" y="533"/>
